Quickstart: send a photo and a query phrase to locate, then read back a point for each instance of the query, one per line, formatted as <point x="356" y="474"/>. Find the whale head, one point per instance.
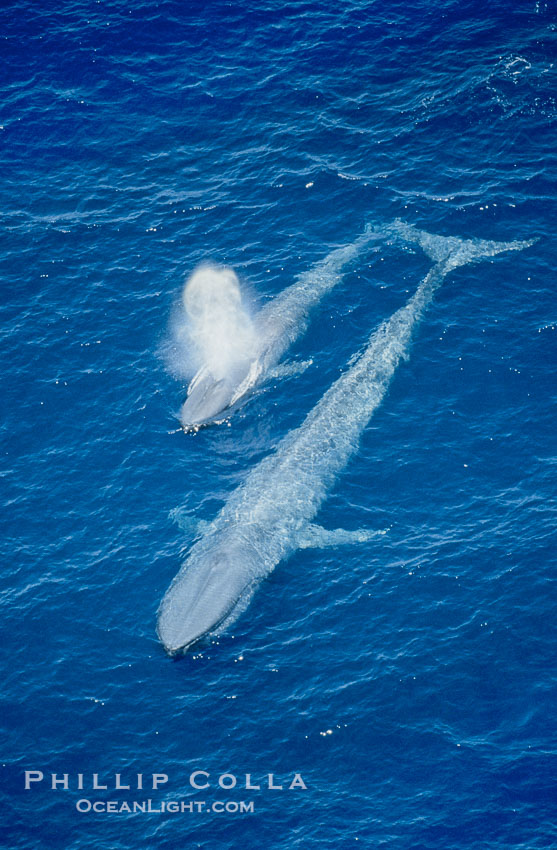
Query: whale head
<point x="211" y="395"/>
<point x="207" y="399"/>
<point x="204" y="596"/>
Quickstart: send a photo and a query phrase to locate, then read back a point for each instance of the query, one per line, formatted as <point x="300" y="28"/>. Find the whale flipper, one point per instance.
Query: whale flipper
<point x="317" y="537"/>
<point x="187" y="523"/>
<point x="289" y="370"/>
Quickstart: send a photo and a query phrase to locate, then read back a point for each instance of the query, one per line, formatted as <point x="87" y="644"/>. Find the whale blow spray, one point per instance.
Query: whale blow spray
<point x="219" y="326"/>
<point x="215" y="340"/>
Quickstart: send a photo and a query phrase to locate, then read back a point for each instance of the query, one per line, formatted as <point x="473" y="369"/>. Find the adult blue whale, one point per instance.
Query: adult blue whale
<point x="269" y="516"/>
<point x="212" y="393"/>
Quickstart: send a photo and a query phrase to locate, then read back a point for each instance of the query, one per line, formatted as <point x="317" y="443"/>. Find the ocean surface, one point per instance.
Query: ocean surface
<point x="410" y="680"/>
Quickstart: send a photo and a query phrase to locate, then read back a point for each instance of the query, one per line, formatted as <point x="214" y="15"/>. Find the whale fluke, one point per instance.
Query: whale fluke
<point x="450" y="249"/>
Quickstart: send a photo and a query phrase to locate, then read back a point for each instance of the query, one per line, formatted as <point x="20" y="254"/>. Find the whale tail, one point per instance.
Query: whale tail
<point x="450" y="250"/>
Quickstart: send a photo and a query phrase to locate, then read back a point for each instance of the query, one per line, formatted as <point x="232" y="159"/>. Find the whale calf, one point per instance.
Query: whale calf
<point x="270" y="514"/>
<point x="222" y="382"/>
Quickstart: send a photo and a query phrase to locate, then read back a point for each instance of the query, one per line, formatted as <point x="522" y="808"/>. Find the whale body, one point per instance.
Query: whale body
<point x="213" y="392"/>
<point x="270" y="514"/>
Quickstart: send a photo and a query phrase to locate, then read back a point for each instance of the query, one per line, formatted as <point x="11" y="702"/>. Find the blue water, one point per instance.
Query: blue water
<point x="411" y="679"/>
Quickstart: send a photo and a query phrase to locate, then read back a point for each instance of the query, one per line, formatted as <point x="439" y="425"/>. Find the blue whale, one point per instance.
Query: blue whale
<point x="211" y="396"/>
<point x="270" y="514"/>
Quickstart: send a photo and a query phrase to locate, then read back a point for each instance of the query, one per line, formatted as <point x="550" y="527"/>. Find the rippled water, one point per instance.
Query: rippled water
<point x="410" y="679"/>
